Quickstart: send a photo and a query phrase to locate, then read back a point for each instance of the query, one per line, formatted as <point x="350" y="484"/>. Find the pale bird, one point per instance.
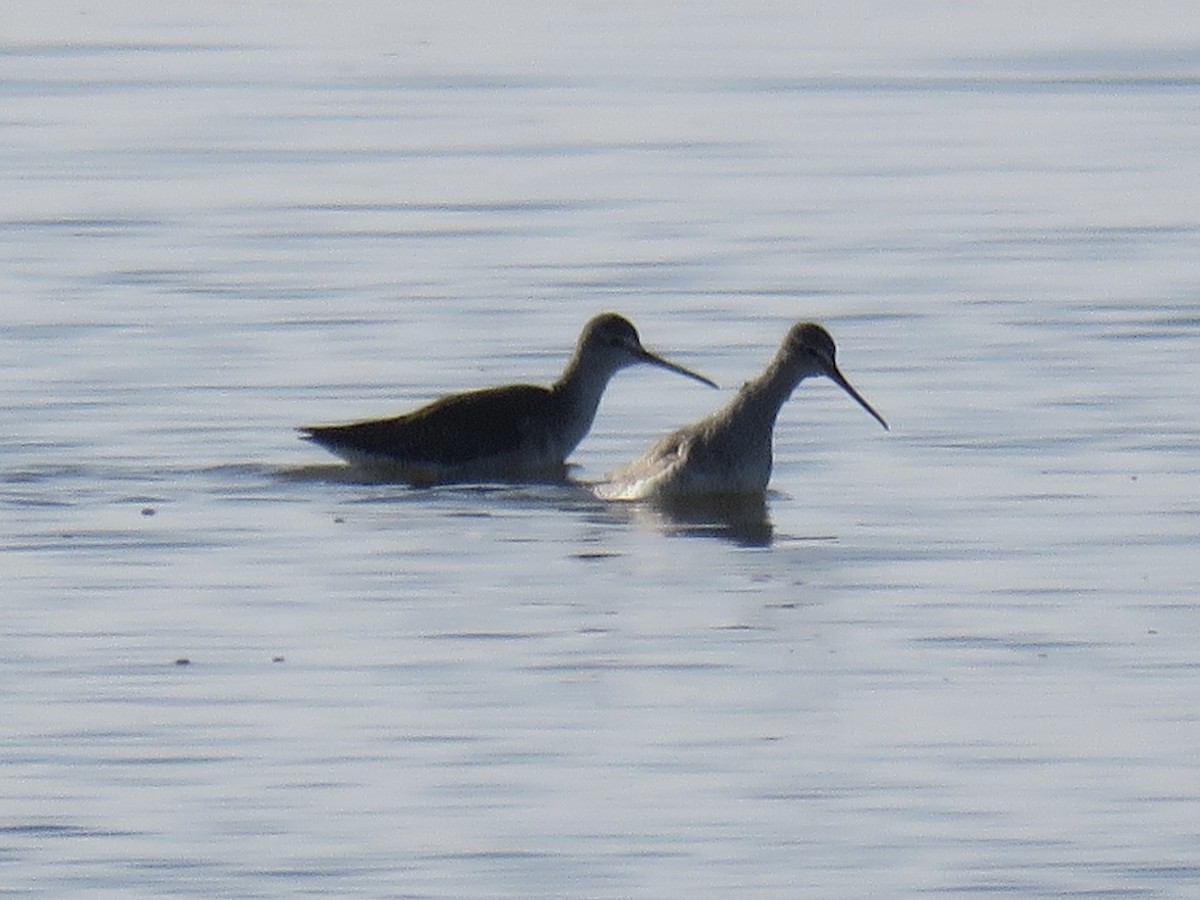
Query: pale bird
<point x="729" y="452"/>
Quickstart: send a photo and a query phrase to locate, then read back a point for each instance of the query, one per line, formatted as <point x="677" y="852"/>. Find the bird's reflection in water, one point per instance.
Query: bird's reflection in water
<point x="382" y="473"/>
<point x="740" y="518"/>
<point x="737" y="517"/>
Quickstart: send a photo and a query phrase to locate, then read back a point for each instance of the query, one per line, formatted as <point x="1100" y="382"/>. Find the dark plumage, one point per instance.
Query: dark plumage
<point x="515" y="431"/>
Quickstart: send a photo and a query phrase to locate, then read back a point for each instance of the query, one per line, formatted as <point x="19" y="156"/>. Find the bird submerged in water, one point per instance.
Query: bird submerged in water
<point x="512" y="432"/>
<point x="729" y="452"/>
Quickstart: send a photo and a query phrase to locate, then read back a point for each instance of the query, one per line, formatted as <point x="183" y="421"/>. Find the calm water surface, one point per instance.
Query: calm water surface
<point x="958" y="659"/>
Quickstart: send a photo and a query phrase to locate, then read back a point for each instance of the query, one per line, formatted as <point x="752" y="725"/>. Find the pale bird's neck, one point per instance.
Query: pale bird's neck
<point x="760" y="400"/>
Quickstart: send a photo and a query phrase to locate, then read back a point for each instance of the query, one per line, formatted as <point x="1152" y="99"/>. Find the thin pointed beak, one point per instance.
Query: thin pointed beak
<point x="644" y="355"/>
<point x="840" y="380"/>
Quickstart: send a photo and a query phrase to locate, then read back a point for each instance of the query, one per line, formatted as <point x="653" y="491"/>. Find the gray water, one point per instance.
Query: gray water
<point x="959" y="658"/>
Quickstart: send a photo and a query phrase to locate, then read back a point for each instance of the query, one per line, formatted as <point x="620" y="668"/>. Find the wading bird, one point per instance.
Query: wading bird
<point x="512" y="432"/>
<point x="729" y="452"/>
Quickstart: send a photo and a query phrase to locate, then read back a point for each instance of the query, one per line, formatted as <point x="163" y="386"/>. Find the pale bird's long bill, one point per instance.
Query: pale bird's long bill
<point x="840" y="380"/>
<point x="656" y="360"/>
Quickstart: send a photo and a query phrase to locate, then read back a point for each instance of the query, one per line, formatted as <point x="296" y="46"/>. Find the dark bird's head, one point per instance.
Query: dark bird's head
<point x="610" y="342"/>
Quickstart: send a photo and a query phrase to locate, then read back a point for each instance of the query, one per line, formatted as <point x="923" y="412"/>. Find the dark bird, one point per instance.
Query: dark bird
<point x="512" y="432"/>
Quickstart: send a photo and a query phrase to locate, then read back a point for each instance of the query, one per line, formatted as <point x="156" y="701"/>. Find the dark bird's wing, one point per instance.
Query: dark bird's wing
<point x="454" y="430"/>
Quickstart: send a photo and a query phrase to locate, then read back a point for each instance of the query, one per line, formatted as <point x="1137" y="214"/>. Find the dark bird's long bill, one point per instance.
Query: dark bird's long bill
<point x="840" y="380"/>
<point x="656" y="360"/>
